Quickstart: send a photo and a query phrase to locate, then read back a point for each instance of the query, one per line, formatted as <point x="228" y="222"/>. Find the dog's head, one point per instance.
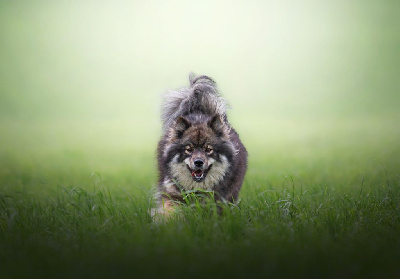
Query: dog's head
<point x="202" y="150"/>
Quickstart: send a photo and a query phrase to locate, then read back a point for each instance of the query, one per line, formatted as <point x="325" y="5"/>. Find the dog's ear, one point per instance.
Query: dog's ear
<point x="181" y="125"/>
<point x="217" y="124"/>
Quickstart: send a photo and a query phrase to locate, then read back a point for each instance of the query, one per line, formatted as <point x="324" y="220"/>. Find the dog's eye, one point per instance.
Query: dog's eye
<point x="188" y="149"/>
<point x="209" y="150"/>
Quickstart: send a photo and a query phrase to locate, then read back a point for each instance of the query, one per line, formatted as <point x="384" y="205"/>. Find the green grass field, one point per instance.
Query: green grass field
<point x="314" y="91"/>
<point x="327" y="207"/>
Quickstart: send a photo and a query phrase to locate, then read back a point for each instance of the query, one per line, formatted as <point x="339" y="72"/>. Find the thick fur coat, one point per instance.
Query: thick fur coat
<point x="199" y="148"/>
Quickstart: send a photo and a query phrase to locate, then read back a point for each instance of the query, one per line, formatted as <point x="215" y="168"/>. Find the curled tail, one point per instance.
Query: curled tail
<point x="201" y="97"/>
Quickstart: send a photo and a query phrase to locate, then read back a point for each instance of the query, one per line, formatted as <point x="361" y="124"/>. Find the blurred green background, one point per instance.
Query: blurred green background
<point x="311" y="84"/>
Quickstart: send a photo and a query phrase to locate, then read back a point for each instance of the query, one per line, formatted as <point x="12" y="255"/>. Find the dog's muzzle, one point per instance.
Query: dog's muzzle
<point x="199" y="172"/>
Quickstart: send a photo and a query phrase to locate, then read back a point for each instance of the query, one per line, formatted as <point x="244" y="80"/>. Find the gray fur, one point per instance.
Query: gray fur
<point x="202" y="96"/>
<point x="195" y="117"/>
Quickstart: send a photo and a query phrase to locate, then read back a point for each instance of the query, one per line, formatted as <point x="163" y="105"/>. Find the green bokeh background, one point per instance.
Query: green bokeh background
<point x="310" y="83"/>
<point x="314" y="89"/>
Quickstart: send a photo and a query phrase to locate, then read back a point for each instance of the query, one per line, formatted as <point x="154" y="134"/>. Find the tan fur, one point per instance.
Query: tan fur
<point x="164" y="212"/>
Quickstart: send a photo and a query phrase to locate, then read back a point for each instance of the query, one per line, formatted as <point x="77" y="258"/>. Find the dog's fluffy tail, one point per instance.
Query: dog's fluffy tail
<point x="201" y="97"/>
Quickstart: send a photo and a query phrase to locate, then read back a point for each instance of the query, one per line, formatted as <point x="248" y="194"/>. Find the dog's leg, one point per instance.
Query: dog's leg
<point x="164" y="211"/>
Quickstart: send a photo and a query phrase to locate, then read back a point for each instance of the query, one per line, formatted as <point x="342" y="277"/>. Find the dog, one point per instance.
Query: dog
<point x="199" y="149"/>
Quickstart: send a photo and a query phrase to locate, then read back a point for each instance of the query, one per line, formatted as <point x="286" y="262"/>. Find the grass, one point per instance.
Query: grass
<point x="314" y="90"/>
<point x="327" y="210"/>
<point x="287" y="232"/>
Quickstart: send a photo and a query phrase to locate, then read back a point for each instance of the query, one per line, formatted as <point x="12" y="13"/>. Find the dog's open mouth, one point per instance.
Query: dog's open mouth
<point x="199" y="174"/>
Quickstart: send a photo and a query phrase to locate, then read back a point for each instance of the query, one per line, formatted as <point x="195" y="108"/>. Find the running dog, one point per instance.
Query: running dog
<point x="199" y="149"/>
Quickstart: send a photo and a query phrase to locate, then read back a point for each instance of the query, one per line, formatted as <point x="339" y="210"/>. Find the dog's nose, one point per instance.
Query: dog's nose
<point x="198" y="163"/>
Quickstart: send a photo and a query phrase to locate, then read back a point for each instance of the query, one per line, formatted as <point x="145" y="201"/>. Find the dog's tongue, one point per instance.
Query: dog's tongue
<point x="197" y="173"/>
